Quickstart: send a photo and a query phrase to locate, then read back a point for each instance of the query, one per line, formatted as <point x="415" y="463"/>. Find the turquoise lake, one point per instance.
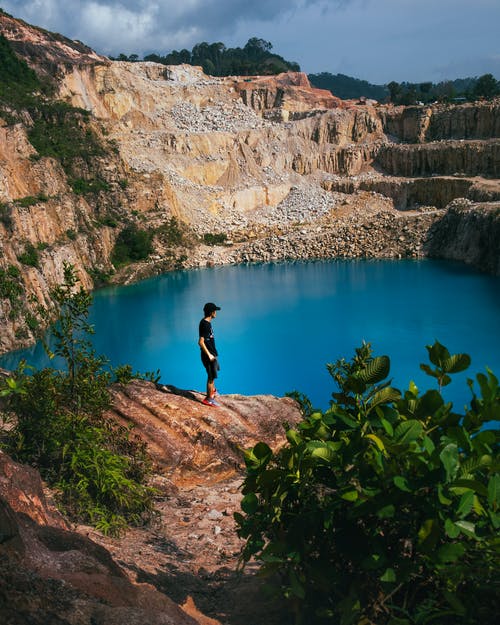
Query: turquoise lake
<point x="281" y="323"/>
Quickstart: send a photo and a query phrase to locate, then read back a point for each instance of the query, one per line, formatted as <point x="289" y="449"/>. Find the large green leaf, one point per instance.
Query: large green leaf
<point x="408" y="431"/>
<point x="494" y="491"/>
<point x="437" y="353"/>
<point x="465" y="505"/>
<point x="249" y="503"/>
<point x="451" y="552"/>
<point x="388" y="576"/>
<point x="385" y="396"/>
<point x="451" y="529"/>
<point x="258" y="456"/>
<point x="376" y="370"/>
<point x="402" y="483"/>
<point x="293" y="437"/>
<point x="468" y="528"/>
<point x="473" y="485"/>
<point x="456" y="363"/>
<point x="320" y="450"/>
<point x="449" y="458"/>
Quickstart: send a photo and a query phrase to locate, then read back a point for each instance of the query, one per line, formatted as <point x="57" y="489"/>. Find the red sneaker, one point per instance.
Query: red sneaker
<point x="210" y="402"/>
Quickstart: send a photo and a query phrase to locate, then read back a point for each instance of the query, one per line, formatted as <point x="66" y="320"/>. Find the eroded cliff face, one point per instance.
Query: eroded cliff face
<point x="255" y="159"/>
<point x="180" y="569"/>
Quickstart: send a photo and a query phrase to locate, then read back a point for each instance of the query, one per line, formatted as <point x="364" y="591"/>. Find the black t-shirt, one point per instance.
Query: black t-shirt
<point x="208" y="335"/>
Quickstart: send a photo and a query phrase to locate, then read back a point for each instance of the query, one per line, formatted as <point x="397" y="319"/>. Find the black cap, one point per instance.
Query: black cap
<point x="209" y="308"/>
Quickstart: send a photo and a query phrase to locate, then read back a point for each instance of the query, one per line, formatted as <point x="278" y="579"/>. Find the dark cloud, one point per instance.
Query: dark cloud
<point x="377" y="40"/>
<point x="140" y="25"/>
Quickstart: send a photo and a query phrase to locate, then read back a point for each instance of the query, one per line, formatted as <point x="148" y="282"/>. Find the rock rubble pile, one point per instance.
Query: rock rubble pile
<point x="219" y="117"/>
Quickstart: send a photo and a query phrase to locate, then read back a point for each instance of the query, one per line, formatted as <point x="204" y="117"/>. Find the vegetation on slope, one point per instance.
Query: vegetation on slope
<point x="384" y="509"/>
<point x="97" y="467"/>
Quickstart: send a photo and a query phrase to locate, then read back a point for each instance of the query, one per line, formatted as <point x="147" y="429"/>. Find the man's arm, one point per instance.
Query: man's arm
<point x="203" y="347"/>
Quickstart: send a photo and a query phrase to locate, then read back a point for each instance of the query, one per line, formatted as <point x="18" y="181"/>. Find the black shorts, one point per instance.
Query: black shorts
<point x="212" y="366"/>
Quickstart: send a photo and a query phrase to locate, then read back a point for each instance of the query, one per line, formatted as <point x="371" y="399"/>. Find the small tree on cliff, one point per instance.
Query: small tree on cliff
<point x="97" y="467"/>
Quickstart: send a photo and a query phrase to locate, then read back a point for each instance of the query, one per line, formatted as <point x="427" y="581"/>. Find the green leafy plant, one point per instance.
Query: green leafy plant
<point x="6" y="216"/>
<point x="132" y="244"/>
<point x="210" y="238"/>
<point x="124" y="374"/>
<point x="30" y="256"/>
<point x="12" y="289"/>
<point x="98" y="467"/>
<point x="81" y="186"/>
<point x="385" y="507"/>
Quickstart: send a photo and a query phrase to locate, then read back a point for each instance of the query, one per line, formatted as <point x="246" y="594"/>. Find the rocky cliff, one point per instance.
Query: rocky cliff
<point x="278" y="168"/>
<point x="181" y="569"/>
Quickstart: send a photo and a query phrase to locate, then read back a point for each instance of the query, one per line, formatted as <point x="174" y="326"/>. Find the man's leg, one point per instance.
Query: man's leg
<point x="210" y="388"/>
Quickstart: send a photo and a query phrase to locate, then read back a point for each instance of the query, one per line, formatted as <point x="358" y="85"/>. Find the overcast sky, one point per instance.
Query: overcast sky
<point x="375" y="40"/>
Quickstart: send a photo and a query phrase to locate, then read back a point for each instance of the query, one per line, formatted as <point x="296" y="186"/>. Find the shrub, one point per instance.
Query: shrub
<point x="132" y="244"/>
<point x="97" y="466"/>
<point x="61" y="131"/>
<point x="173" y="232"/>
<point x="385" y="507"/>
<point x="6" y="216"/>
<point x="31" y="200"/>
<point x="11" y="286"/>
<point x="29" y="256"/>
<point x="210" y="238"/>
<point x="108" y="220"/>
<point x="81" y="186"/>
<point x="17" y="80"/>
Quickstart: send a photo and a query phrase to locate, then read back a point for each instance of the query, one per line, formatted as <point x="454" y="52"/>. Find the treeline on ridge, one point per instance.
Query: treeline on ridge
<point x="217" y="60"/>
<point x="408" y="93"/>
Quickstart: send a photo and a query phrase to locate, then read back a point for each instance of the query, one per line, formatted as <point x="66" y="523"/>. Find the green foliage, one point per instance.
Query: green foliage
<point x="6" y="216"/>
<point x="346" y="87"/>
<point x="31" y="200"/>
<point x="124" y="374"/>
<point x="385" y="507"/>
<point x="175" y="233"/>
<point x="459" y="90"/>
<point x="109" y="221"/>
<point x="218" y="238"/>
<point x="132" y="244"/>
<point x="255" y="58"/>
<point x="98" y="467"/>
<point x="17" y="80"/>
<point x="29" y="256"/>
<point x="99" y="276"/>
<point x="12" y="289"/>
<point x="81" y="186"/>
<point x="487" y="86"/>
<point x="61" y="131"/>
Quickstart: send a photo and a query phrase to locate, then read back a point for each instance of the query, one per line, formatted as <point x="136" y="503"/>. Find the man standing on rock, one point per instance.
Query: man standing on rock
<point x="209" y="351"/>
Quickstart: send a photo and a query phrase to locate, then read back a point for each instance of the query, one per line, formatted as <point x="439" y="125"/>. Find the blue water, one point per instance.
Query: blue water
<point x="281" y="323"/>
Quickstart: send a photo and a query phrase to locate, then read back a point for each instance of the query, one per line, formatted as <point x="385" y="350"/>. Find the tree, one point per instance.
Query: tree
<point x="487" y="86"/>
<point x="97" y="467"/>
<point x="394" y="91"/>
